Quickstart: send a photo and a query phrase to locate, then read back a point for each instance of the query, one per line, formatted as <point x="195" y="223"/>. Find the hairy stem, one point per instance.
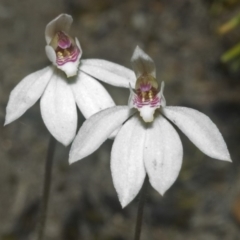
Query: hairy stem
<point x="141" y="203"/>
<point x="46" y="188"/>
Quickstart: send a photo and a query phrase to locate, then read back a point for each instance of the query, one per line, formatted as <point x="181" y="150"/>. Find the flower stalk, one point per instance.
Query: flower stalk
<point x="141" y="204"/>
<point x="46" y="188"/>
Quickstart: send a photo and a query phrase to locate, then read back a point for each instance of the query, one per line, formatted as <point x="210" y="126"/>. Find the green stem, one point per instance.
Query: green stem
<point x="46" y="188"/>
<point x="141" y="203"/>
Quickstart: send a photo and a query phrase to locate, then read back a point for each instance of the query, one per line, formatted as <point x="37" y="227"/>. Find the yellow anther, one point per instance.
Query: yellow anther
<point x="66" y="52"/>
<point x="59" y="54"/>
<point x="150" y="95"/>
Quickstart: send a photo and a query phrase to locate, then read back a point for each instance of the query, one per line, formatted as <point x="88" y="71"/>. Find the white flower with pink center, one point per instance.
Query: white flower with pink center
<point x="62" y="50"/>
<point x="67" y="83"/>
<point x="147" y="96"/>
<point x="148" y="144"/>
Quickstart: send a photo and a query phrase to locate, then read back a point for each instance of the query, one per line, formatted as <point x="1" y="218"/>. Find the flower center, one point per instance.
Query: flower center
<point x="65" y="48"/>
<point x="146" y="92"/>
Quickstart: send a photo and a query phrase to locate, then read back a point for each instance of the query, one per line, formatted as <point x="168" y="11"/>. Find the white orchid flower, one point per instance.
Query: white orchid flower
<point x="60" y="94"/>
<point x="62" y="50"/>
<point x="148" y="144"/>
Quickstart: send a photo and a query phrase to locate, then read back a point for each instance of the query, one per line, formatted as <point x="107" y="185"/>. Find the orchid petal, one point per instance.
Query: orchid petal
<point x="142" y="63"/>
<point x="96" y="130"/>
<point x="114" y="133"/>
<point x="90" y="95"/>
<point x="131" y="97"/>
<point x="26" y="93"/>
<point x="79" y="47"/>
<point x="161" y="96"/>
<point x="58" y="109"/>
<point x="61" y="23"/>
<point x="127" y="165"/>
<point x="51" y="54"/>
<point x="200" y="130"/>
<point x="108" y="72"/>
<point x="163" y="154"/>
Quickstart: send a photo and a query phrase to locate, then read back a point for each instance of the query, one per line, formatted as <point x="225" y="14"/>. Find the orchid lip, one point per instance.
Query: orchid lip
<point x="138" y="102"/>
<point x="147" y="103"/>
<point x="146" y="93"/>
<point x="147" y="97"/>
<point x="65" y="48"/>
<point x="67" y="55"/>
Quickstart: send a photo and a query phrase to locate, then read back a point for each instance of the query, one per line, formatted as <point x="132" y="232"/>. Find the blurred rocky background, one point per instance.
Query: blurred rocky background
<point x="187" y="41"/>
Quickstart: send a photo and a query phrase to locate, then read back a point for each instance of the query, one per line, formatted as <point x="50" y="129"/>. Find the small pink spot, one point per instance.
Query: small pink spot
<point x="145" y="87"/>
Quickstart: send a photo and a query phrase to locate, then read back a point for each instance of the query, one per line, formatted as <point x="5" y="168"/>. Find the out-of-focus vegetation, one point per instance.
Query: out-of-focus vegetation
<point x="229" y="29"/>
<point x="222" y="6"/>
<point x="232" y="55"/>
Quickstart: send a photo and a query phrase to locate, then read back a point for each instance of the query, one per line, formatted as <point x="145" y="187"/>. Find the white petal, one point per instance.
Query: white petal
<point x="163" y="154"/>
<point x="96" y="130"/>
<point x="114" y="133"/>
<point x="108" y="72"/>
<point x="26" y="93"/>
<point x="131" y="97"/>
<point x="51" y="54"/>
<point x="142" y="63"/>
<point x="58" y="109"/>
<point x="127" y="165"/>
<point x="161" y="96"/>
<point x="79" y="47"/>
<point x="90" y="95"/>
<point x="61" y="23"/>
<point x="200" y="130"/>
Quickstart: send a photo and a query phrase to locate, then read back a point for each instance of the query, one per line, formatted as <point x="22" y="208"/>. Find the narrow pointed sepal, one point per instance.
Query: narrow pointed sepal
<point x="26" y="93"/>
<point x="96" y="130"/>
<point x="108" y="72"/>
<point x="163" y="154"/>
<point x="200" y="130"/>
<point x="59" y="110"/>
<point x="127" y="165"/>
<point x="142" y="63"/>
